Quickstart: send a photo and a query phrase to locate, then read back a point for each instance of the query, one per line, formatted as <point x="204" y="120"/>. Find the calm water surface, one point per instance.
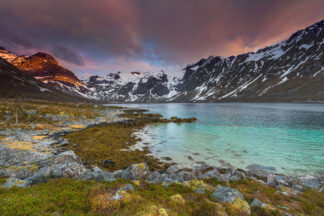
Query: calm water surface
<point x="289" y="137"/>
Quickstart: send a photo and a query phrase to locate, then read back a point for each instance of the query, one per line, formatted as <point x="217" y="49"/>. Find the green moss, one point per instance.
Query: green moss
<point x="16" y="111"/>
<point x="76" y="197"/>
<point x="3" y="180"/>
<point x="112" y="142"/>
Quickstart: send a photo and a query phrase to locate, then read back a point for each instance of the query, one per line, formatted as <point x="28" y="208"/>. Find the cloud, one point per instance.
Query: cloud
<point x="68" y="55"/>
<point x="148" y="34"/>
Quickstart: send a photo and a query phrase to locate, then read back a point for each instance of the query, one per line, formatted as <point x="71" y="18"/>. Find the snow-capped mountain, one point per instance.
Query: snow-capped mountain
<point x="45" y="68"/>
<point x="292" y="70"/>
<point x="134" y="86"/>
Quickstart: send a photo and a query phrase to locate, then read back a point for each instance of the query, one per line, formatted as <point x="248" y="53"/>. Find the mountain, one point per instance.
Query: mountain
<point x="46" y="69"/>
<point x="15" y="83"/>
<point x="133" y="87"/>
<point x="292" y="70"/>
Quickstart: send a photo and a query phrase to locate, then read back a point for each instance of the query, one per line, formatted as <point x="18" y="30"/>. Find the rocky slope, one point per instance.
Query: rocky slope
<point x="46" y="69"/>
<point x="292" y="70"/>
<point x="15" y="83"/>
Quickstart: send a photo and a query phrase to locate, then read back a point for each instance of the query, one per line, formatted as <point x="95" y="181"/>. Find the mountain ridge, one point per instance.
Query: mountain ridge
<point x="291" y="70"/>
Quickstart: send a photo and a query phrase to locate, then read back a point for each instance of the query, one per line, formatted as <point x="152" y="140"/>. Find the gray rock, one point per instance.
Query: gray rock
<point x="226" y="194"/>
<point x="67" y="155"/>
<point x="238" y="174"/>
<point x="136" y="171"/>
<point x="21" y="173"/>
<point x="260" y="172"/>
<point x="119" y="194"/>
<point x="186" y="176"/>
<point x="154" y="177"/>
<point x="298" y="188"/>
<point x="309" y="181"/>
<point x="276" y="180"/>
<point x="172" y="169"/>
<point x="257" y="203"/>
<point x="31" y="112"/>
<point x="224" y="178"/>
<point x="12" y="182"/>
<point x="128" y="188"/>
<point x="107" y="163"/>
<point x="119" y="174"/>
<point x="322" y="189"/>
<point x="212" y="174"/>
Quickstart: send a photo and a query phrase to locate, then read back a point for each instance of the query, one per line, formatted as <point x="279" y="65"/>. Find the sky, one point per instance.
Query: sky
<point x="103" y="36"/>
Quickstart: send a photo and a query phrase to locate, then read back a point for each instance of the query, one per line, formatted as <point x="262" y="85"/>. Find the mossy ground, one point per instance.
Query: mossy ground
<point x="80" y="197"/>
<point x="307" y="203"/>
<point x="17" y="117"/>
<point x="112" y="142"/>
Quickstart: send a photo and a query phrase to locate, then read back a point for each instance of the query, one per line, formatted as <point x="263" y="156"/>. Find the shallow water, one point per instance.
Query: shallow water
<point x="289" y="137"/>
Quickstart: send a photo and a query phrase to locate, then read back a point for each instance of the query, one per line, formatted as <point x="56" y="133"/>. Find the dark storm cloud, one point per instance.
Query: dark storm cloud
<point x="159" y="32"/>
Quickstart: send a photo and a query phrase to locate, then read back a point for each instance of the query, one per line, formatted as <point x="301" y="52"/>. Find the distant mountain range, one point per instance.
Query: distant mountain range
<point x="292" y="70"/>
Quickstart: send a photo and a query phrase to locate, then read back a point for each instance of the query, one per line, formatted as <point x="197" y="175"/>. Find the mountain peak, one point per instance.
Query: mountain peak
<point x="43" y="57"/>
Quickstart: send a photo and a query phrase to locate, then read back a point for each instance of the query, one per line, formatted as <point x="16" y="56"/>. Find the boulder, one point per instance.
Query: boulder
<point x="275" y="180"/>
<point x="107" y="163"/>
<point x="260" y="172"/>
<point x="172" y="170"/>
<point x="238" y="174"/>
<point x="136" y="171"/>
<point x="186" y="176"/>
<point x="257" y="203"/>
<point x="226" y="194"/>
<point x="212" y="174"/>
<point x="309" y="181"/>
<point x="298" y="188"/>
<point x="154" y="177"/>
<point x="239" y="207"/>
<point x="11" y="182"/>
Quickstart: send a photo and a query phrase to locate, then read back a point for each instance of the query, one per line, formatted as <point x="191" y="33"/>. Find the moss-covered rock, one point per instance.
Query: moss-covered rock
<point x="239" y="207"/>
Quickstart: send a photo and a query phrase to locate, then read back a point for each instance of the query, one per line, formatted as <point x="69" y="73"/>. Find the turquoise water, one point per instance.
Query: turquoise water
<point x="289" y="137"/>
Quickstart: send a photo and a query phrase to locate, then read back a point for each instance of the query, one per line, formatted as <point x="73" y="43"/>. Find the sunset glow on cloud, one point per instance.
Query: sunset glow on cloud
<point x="107" y="35"/>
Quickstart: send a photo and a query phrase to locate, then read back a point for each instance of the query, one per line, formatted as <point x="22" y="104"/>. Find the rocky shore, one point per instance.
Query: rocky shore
<point x="37" y="152"/>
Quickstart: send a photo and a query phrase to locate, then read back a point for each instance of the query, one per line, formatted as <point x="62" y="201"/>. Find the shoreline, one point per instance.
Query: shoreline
<point x="40" y="158"/>
<point x="131" y="116"/>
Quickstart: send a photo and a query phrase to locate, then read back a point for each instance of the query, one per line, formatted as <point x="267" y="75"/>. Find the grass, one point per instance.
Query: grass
<point x="81" y="197"/>
<point x="16" y="116"/>
<point x="309" y="202"/>
<point x="76" y="197"/>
